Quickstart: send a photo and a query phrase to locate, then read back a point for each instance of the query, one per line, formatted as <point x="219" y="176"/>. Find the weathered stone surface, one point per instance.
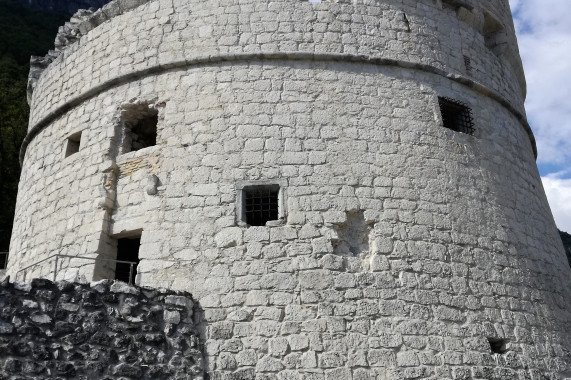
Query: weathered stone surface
<point x="121" y="287"/>
<point x="89" y="338"/>
<point x="401" y="248"/>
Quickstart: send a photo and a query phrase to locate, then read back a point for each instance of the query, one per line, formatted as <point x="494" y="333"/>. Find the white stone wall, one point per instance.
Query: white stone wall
<point x="165" y="33"/>
<point x="457" y="243"/>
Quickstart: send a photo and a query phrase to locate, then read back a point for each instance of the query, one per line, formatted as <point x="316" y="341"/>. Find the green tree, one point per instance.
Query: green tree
<point x="13" y="121"/>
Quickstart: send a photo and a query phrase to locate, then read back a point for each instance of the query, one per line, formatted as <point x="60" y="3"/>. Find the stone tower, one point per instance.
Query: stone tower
<point x="348" y="188"/>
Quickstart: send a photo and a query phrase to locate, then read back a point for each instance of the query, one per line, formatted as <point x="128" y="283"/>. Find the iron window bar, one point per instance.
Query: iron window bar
<point x="456" y="115"/>
<point x="261" y="204"/>
<point x="468" y="64"/>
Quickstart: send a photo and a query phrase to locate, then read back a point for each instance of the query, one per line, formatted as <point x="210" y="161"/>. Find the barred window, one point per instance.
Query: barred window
<point x="456" y="115"/>
<point x="468" y="64"/>
<point x="261" y="204"/>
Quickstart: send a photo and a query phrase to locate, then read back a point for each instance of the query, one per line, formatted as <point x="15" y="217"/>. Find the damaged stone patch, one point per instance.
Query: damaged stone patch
<point x="352" y="236"/>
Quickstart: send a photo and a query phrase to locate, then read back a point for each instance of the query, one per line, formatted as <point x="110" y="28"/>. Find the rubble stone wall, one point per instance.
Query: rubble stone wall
<point x="106" y="330"/>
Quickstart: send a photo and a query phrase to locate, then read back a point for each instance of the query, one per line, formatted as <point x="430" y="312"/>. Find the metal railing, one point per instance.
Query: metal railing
<point x="3" y="260"/>
<point x="57" y="259"/>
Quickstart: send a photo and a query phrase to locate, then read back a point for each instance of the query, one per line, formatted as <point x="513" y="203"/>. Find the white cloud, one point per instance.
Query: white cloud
<point x="544" y="35"/>
<point x="558" y="192"/>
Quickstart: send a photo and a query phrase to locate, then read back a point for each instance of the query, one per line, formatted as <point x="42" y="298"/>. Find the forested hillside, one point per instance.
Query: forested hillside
<point x="24" y="32"/>
<point x="62" y="6"/>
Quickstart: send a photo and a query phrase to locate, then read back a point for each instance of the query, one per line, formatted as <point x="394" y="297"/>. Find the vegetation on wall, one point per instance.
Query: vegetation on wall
<point x="24" y="32"/>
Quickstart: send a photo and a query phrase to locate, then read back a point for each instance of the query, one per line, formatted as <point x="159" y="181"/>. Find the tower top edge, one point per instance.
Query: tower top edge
<point x="84" y="21"/>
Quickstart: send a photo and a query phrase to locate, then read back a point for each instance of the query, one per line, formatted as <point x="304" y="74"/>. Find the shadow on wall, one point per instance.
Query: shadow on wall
<point x="566" y="239"/>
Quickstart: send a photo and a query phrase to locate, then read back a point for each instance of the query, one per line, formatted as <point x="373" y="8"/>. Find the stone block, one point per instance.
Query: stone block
<point x="179" y="301"/>
<point x="331" y="359"/>
<point x="309" y="359"/>
<point x="298" y="342"/>
<point x="171" y="316"/>
<point x="382" y="358"/>
<point x="229" y="237"/>
<point x="278" y="347"/>
<point x="269" y="364"/>
<point x="121" y="287"/>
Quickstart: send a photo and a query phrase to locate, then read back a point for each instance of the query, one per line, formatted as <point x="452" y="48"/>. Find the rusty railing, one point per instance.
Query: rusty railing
<point x="58" y="258"/>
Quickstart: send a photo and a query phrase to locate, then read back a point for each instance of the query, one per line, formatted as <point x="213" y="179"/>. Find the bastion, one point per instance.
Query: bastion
<point x="348" y="189"/>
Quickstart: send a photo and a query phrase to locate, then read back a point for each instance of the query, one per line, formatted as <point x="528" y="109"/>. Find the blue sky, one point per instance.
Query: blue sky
<point x="544" y="36"/>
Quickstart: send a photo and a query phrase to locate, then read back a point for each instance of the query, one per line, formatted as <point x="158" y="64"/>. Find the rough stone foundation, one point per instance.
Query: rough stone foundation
<point x="106" y="330"/>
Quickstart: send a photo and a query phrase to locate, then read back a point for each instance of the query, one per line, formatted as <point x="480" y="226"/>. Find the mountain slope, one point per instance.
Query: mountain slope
<point x="27" y="31"/>
<point x="24" y="32"/>
<point x="68" y="7"/>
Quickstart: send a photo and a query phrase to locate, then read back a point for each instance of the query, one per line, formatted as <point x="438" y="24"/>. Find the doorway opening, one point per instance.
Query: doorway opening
<point x="127" y="259"/>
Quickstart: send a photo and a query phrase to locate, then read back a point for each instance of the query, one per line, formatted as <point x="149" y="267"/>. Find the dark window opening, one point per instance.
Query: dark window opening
<point x="73" y="143"/>
<point x="492" y="31"/>
<point x="127" y="250"/>
<point x="261" y="204"/>
<point x="3" y="260"/>
<point x="139" y="127"/>
<point x="449" y="5"/>
<point x="498" y="346"/>
<point x="456" y="115"/>
<point x="455" y="4"/>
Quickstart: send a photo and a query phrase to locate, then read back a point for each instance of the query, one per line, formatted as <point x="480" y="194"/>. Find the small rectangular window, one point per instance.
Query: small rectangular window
<point x="456" y="115"/>
<point x="498" y="345"/>
<point x="139" y="127"/>
<point x="261" y="204"/>
<point x="73" y="144"/>
<point x="492" y="31"/>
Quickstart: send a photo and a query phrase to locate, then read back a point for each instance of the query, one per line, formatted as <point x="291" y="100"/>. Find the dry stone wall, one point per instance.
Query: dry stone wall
<point x="106" y="330"/>
<point x="406" y="250"/>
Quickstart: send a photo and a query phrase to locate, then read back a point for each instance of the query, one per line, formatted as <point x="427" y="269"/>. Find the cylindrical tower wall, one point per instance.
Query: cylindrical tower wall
<point x="404" y="248"/>
<point x="424" y="32"/>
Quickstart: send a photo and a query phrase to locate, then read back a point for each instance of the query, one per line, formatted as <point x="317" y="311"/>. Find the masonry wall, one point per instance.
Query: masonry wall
<point x="106" y="330"/>
<point x="172" y="33"/>
<point x="405" y="247"/>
